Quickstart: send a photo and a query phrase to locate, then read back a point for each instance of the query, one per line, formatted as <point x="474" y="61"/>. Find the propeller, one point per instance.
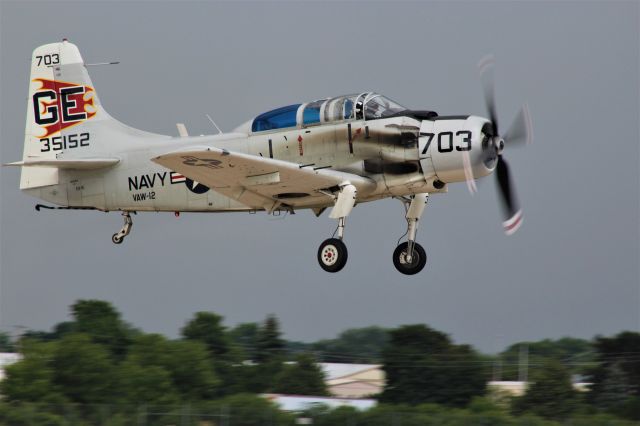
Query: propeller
<point x="520" y="132"/>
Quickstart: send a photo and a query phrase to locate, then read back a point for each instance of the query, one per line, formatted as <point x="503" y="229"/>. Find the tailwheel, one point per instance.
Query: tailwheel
<point x="409" y="265"/>
<point x="332" y="255"/>
<point x="118" y="237"/>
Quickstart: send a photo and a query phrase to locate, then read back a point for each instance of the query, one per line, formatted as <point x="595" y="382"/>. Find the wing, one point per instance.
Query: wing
<point x="258" y="182"/>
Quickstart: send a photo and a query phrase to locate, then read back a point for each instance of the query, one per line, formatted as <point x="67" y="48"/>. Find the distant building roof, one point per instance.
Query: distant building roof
<point x="517" y="388"/>
<point x="334" y="370"/>
<point x="7" y="358"/>
<point x="353" y="380"/>
<point x="301" y="403"/>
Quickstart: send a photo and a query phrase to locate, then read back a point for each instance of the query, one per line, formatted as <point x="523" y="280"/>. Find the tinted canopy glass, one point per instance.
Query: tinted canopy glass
<point x="367" y="105"/>
<point x="276" y="119"/>
<point x="311" y="113"/>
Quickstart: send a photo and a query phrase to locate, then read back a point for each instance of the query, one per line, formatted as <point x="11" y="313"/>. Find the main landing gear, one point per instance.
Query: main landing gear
<point x="118" y="237"/>
<point x="409" y="257"/>
<point x="332" y="253"/>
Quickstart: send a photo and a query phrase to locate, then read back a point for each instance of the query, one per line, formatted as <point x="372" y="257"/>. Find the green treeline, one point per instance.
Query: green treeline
<point x="97" y="369"/>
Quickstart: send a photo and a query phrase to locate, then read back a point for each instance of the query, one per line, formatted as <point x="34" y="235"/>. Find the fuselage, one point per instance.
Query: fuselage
<point x="404" y="153"/>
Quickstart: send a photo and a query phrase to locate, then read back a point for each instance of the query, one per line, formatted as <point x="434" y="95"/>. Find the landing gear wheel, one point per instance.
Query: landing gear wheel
<point x="116" y="239"/>
<point x="332" y="255"/>
<point x="418" y="260"/>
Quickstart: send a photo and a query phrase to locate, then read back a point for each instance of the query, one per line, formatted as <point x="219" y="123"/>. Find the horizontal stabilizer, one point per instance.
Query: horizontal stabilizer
<point x="76" y="164"/>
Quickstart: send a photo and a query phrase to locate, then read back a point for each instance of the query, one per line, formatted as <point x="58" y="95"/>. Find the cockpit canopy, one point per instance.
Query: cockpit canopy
<point x="368" y="106"/>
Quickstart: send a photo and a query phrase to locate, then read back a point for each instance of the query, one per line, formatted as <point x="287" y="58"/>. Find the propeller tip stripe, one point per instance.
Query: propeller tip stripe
<point x="485" y="63"/>
<point x="512" y="224"/>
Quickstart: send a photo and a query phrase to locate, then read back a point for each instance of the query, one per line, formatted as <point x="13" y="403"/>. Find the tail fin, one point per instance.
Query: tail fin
<point x="64" y="114"/>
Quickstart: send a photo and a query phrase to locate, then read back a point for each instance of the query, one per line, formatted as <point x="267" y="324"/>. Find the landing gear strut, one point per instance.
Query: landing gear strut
<point x="118" y="237"/>
<point x="409" y="257"/>
<point x="332" y="253"/>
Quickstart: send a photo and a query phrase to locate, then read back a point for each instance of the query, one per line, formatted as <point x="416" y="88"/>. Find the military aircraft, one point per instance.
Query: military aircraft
<point x="335" y="152"/>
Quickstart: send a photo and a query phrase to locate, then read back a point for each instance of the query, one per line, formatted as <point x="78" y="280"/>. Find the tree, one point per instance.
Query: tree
<point x="422" y="365"/>
<point x="356" y="345"/>
<point x="31" y="378"/>
<point x="270" y="345"/>
<point x="187" y="363"/>
<point x="83" y="370"/>
<point x="207" y="327"/>
<point x="29" y="415"/>
<point x="145" y="384"/>
<point x="192" y="371"/>
<point x="6" y="345"/>
<point x="618" y="361"/>
<point x="539" y="352"/>
<point x="304" y="377"/>
<point x="58" y="331"/>
<point x="100" y="320"/>
<point x="248" y="410"/>
<point x="613" y="390"/>
<point x="550" y="393"/>
<point x="245" y="337"/>
<point x="63" y="328"/>
<point x="322" y="415"/>
<point x="256" y="378"/>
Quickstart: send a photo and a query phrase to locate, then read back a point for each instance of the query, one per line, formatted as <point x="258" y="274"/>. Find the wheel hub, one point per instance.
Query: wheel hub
<point x="414" y="259"/>
<point x="329" y="255"/>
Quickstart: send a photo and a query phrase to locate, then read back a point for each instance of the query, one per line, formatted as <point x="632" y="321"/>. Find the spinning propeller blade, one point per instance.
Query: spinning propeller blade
<point x="468" y="173"/>
<point x="520" y="132"/>
<point x="510" y="205"/>
<point x="487" y="80"/>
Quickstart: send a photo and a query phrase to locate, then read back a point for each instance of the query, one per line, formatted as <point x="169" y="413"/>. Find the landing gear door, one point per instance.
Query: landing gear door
<point x="425" y="147"/>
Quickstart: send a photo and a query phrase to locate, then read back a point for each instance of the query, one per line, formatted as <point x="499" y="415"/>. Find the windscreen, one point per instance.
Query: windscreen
<point x="378" y="106"/>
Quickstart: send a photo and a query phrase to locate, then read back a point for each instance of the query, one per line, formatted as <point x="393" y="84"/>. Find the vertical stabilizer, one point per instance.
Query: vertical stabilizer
<point x="64" y="115"/>
<point x="61" y="97"/>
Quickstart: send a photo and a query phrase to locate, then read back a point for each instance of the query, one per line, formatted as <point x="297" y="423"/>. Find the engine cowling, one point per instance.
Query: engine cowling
<point x="452" y="147"/>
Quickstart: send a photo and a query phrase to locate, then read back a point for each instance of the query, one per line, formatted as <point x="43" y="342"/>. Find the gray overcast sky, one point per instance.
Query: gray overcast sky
<point x="571" y="270"/>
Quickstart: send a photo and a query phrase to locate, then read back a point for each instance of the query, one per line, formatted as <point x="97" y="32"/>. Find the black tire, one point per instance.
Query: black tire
<point x="418" y="261"/>
<point x="116" y="239"/>
<point x="332" y="255"/>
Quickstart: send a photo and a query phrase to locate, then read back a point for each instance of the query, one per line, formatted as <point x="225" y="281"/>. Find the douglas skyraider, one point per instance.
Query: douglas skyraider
<point x="329" y="153"/>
